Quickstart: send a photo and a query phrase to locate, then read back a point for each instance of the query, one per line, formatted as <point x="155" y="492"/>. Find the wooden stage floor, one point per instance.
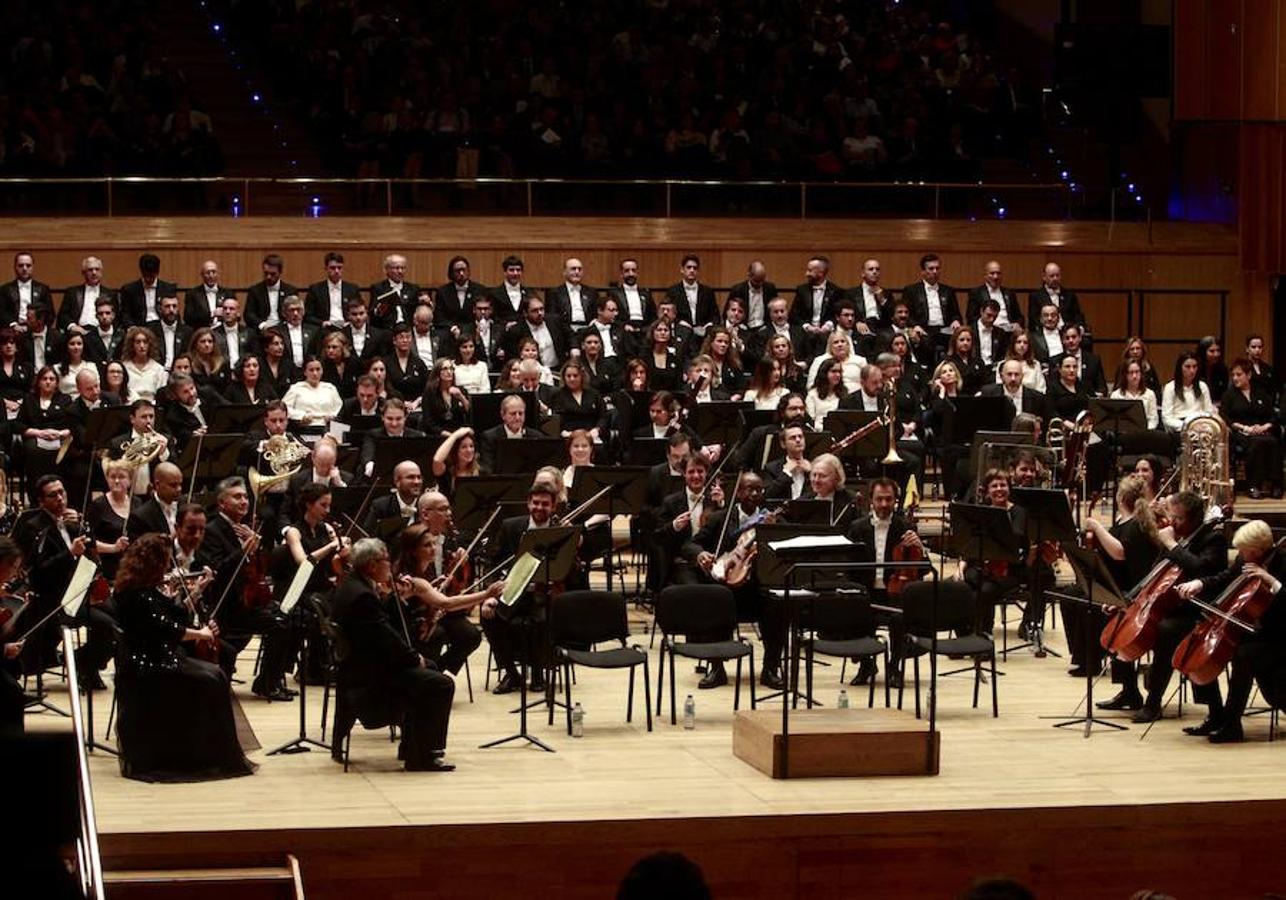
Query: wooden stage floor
<point x="1005" y="776"/>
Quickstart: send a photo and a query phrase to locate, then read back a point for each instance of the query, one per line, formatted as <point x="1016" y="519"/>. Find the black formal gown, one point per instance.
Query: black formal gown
<point x="175" y="713"/>
<point x="106" y="527"/>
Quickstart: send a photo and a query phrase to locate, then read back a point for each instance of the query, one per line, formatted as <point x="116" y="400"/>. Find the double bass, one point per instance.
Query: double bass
<point x="1210" y="646"/>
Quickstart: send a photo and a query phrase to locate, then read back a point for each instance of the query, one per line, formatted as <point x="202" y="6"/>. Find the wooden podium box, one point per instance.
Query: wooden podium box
<point x="845" y="743"/>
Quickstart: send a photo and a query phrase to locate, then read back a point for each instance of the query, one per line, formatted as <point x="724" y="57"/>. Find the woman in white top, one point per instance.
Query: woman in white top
<point x="765" y="389"/>
<point x="1130" y="385"/>
<point x="529" y="349"/>
<point x="74" y="361"/>
<point x="312" y="402"/>
<point x="840" y="349"/>
<point x="471" y="374"/>
<point x="1186" y="397"/>
<point x="1020" y="349"/>
<point x="826" y="393"/>
<point x="146" y="376"/>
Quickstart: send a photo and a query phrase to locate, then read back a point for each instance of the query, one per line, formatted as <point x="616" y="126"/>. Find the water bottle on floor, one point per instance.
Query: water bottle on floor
<point x="689" y="713"/>
<point x="578" y="721"/>
<point x="842" y="702"/>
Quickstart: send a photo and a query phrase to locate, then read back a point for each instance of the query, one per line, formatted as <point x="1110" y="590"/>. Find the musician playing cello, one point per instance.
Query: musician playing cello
<point x="1204" y="552"/>
<point x="1260" y="655"/>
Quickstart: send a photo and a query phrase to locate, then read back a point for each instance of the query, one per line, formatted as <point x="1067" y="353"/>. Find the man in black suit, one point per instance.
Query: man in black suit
<point x="231" y="336"/>
<point x="1052" y="291"/>
<point x="813" y="301"/>
<point x="487" y="334"/>
<point x="324" y="305"/>
<point x="694" y="301"/>
<point x="187" y="415"/>
<point x="1089" y="367"/>
<point x="392" y="299"/>
<point x="572" y="303"/>
<point x="157" y="514"/>
<point x="361" y="408"/>
<point x="513" y="426"/>
<point x="616" y="341"/>
<point x="172" y="336"/>
<point x="400" y="503"/>
<point x="551" y="336"/>
<point x="991" y="288"/>
<point x="933" y="304"/>
<point x="1046" y="335"/>
<point x="757" y="291"/>
<point x="382" y="671"/>
<point x="104" y="342"/>
<point x="871" y="302"/>
<point x="365" y="339"/>
<point x="203" y="303"/>
<point x="24" y="291"/>
<point x="263" y="300"/>
<point x="392" y="425"/>
<point x="679" y="519"/>
<point x="990" y="341"/>
<point x="82" y="459"/>
<point x="428" y="342"/>
<point x="779" y="323"/>
<point x="507" y="297"/>
<point x="455" y="298"/>
<point x="876" y="535"/>
<point x="786" y="478"/>
<point x="1022" y="399"/>
<point x="226" y="543"/>
<point x="323" y="468"/>
<point x="41" y="344"/>
<point x="632" y="299"/>
<point x="142" y="421"/>
<point x="139" y="298"/>
<point x="300" y="337"/>
<point x="76" y="315"/>
<point x="682" y="337"/>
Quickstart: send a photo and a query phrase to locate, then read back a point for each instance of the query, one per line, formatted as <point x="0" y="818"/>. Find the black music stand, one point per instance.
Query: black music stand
<point x="358" y="428"/>
<point x="1049" y="518"/>
<point x="809" y="512"/>
<point x="974" y="414"/>
<point x="555" y="548"/>
<point x="646" y="451"/>
<point x="101" y="426"/>
<point x="389" y="451"/>
<point x="1113" y="418"/>
<point x="484" y="409"/>
<point x="475" y="498"/>
<point x="718" y="422"/>
<point x="210" y="456"/>
<point x="875" y="445"/>
<point x="627" y="496"/>
<point x="524" y="456"/>
<point x="234" y="418"/>
<point x="346" y="502"/>
<point x="982" y="534"/>
<point x="1099" y="588"/>
<point x="303" y="618"/>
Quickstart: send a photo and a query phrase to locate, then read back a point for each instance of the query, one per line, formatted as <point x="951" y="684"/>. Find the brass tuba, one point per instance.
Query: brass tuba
<point x="284" y="457"/>
<point x="1204" y="463"/>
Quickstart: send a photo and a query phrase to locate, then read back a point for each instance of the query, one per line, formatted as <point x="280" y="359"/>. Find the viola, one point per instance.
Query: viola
<point x="100" y="589"/>
<point x="1210" y="646"/>
<point x="734" y="567"/>
<point x="898" y="578"/>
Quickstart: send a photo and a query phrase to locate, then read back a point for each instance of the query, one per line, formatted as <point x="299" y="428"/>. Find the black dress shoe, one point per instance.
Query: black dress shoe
<point x="434" y="765"/>
<point x="1123" y="700"/>
<point x="866" y="670"/>
<point x="93" y="682"/>
<point x="1145" y="714"/>
<point x="894" y="680"/>
<point x="1206" y="728"/>
<point x="715" y="677"/>
<point x="506" y="685"/>
<point x="537" y="685"/>
<point x="770" y="679"/>
<point x="1228" y="734"/>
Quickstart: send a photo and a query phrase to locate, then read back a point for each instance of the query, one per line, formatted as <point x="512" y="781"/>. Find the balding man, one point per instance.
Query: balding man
<point x="77" y="313"/>
<point x="157" y="514"/>
<point x="572" y="302"/>
<point x="992" y="289"/>
<point x="393" y="298"/>
<point x="1051" y="291"/>
<point x="201" y="305"/>
<point x="757" y="291"/>
<point x="455" y="637"/>
<point x="400" y="503"/>
<point x="81" y="456"/>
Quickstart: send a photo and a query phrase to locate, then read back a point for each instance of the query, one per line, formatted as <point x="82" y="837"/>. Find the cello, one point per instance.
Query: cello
<point x="1132" y="632"/>
<point x="1210" y="646"/>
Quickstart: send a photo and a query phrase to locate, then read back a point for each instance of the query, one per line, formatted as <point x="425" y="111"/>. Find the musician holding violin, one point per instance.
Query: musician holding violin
<point x="175" y="712"/>
<point x="426" y="603"/>
<point x="996" y="580"/>
<point x="1247" y="589"/>
<point x="12" y="697"/>
<point x="681" y="516"/>
<point x="435" y="555"/>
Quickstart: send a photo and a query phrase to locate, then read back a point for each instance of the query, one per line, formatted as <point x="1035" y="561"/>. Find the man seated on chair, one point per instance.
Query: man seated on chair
<point x="381" y="668"/>
<point x="455" y="637"/>
<point x="997" y="580"/>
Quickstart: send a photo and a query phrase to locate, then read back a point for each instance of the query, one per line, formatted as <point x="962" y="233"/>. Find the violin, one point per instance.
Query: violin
<point x="897" y="579"/>
<point x="734" y="567"/>
<point x="207" y="650"/>
<point x="1132" y="631"/>
<point x="1210" y="646"/>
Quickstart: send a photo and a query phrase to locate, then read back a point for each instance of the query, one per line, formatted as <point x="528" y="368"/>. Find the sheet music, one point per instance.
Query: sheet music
<point x="297" y="585"/>
<point x="78" y="588"/>
<point x="811" y="542"/>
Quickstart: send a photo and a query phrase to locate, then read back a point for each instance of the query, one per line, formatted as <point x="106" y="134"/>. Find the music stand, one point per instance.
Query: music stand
<point x="525" y="455"/>
<point x="101" y="426"/>
<point x="646" y="451"/>
<point x="555" y="550"/>
<point x="974" y="414"/>
<point x="484" y="409"/>
<point x="475" y="498"/>
<point x="1114" y="418"/>
<point x="808" y="512"/>
<point x="719" y="422"/>
<point x="359" y="427"/>
<point x="389" y="451"/>
<point x="843" y="422"/>
<point x="982" y="534"/>
<point x="1049" y="518"/>
<point x="234" y="418"/>
<point x="1099" y="589"/>
<point x="626" y="496"/>
<point x="210" y="456"/>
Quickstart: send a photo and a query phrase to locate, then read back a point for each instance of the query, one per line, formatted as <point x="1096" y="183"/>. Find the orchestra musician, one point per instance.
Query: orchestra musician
<point x="788" y="477"/>
<point x="142" y="421"/>
<point x="826" y="482"/>
<point x="175" y="712"/>
<point x="454" y="638"/>
<point x="995" y="581"/>
<point x="680" y="517"/>
<point x="381" y="668"/>
<point x="270" y="507"/>
<point x="1261" y="655"/>
<point x="398" y="503"/>
<point x="12" y="697"/>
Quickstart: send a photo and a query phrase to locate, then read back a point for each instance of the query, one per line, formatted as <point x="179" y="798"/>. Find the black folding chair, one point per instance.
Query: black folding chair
<point x="842" y="625"/>
<point x="582" y="619"/>
<point x="955" y="608"/>
<point x="701" y="609"/>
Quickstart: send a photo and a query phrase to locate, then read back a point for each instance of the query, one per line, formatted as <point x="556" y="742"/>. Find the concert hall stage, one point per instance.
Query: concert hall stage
<point x="1070" y="817"/>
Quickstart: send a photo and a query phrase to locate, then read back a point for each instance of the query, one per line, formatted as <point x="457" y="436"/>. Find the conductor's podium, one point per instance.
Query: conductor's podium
<point x="844" y="743"/>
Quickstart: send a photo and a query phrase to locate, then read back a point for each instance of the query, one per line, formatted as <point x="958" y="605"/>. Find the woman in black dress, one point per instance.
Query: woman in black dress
<point x="444" y="406"/>
<point x="278" y="371"/>
<point x="15" y="378"/>
<point x="602" y="373"/>
<point x="663" y="367"/>
<point x="338" y="367"/>
<point x="405" y="372"/>
<point x="973" y="371"/>
<point x="1066" y="395"/>
<point x="209" y="368"/>
<point x="580" y="406"/>
<point x="175" y="713"/>
<point x="1253" y="431"/>
<point x="1210" y="366"/>
<point x="248" y="386"/>
<point x="43" y="424"/>
<point x="108" y="516"/>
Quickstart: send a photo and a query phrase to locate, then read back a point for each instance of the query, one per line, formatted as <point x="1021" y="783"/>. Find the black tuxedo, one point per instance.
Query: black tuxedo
<point x="368" y="446"/>
<point x="502" y="308"/>
<point x="1034" y="401"/>
<point x="247" y="341"/>
<point x="757" y="341"/>
<point x="258" y="309"/>
<point x="1039" y="348"/>
<point x="558" y="333"/>
<point x="351" y="411"/>
<point x="196" y="306"/>
<point x="133" y="299"/>
<point x="147" y="518"/>
<point x="317" y="302"/>
<point x="383" y="313"/>
<point x="408" y="382"/>
<point x="388" y="506"/>
<point x="1092" y="377"/>
<point x="980" y="295"/>
<point x="801" y="311"/>
<point x="98" y="351"/>
<point x="311" y="336"/>
<point x="490" y="350"/>
<point x="447" y="306"/>
<point x="181" y="422"/>
<point x="742" y="289"/>
<point x="917" y="299"/>
<point x="54" y="343"/>
<point x="41" y="298"/>
<point x="1069" y="307"/>
<point x="623" y="306"/>
<point x="999" y="343"/>
<point x="439" y="339"/>
<point x="558" y="305"/>
<point x="492" y="436"/>
<point x="883" y="307"/>
<point x="305" y="476"/>
<point x="378" y="342"/>
<point x="74" y="299"/>
<point x="707" y="310"/>
<point x="623" y="343"/>
<point x="182" y="338"/>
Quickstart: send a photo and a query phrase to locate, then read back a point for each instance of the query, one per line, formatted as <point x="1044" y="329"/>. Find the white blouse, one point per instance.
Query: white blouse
<point x="1149" y="404"/>
<point x="303" y="400"/>
<point x="852" y="371"/>
<point x="473" y="377"/>
<point x="146" y="382"/>
<point x="1033" y="376"/>
<point x="768" y="401"/>
<point x="819" y="408"/>
<point x="1174" y="412"/>
<point x="67" y="383"/>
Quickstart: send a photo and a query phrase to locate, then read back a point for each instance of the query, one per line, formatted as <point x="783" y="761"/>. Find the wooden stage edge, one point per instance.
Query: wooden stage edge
<point x="1188" y="850"/>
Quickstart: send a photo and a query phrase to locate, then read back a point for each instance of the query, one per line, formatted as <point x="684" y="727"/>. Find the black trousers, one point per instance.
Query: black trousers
<point x="1172" y="632"/>
<point x="514" y="639"/>
<point x="425" y="697"/>
<point x="993" y="591"/>
<point x="101" y="626"/>
<point x="1257" y="659"/>
<point x="238" y="623"/>
<point x="11" y="704"/>
<point x="1263" y="455"/>
<point x="451" y="642"/>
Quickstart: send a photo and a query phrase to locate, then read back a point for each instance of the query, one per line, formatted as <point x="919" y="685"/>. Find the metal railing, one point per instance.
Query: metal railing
<point x="662" y="197"/>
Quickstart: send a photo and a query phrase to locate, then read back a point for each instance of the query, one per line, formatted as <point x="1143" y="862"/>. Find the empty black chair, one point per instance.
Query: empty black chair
<point x="582" y="619"/>
<point x="842" y="624"/>
<point x="702" y="610"/>
<point x="955" y="612"/>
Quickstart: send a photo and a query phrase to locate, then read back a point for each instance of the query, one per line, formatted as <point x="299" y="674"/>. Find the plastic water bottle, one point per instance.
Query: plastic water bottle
<point x="689" y="713"/>
<point x="842" y="702"/>
<point x="578" y="721"/>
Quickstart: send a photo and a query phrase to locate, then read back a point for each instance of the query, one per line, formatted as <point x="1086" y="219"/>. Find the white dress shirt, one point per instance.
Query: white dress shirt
<point x="88" y="315"/>
<point x="296" y="335"/>
<point x="882" y="527"/>
<point x="424" y="347"/>
<point x="756" y="309"/>
<point x="24" y="300"/>
<point x="1053" y="340"/>
<point x="870" y="306"/>
<point x="545" y="341"/>
<point x="633" y="302"/>
<point x="934" y="299"/>
<point x="514" y="293"/>
<point x="1002" y="317"/>
<point x="605" y="332"/>
<point x="234" y="345"/>
<point x="578" y="309"/>
<point x="336" y="292"/>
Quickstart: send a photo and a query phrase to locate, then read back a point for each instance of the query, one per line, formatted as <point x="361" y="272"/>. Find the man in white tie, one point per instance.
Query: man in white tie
<point x="22" y="293"/>
<point x="870" y="299"/>
<point x="508" y="296"/>
<point x="634" y="300"/>
<point x="201" y="305"/>
<point x="76" y="314"/>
